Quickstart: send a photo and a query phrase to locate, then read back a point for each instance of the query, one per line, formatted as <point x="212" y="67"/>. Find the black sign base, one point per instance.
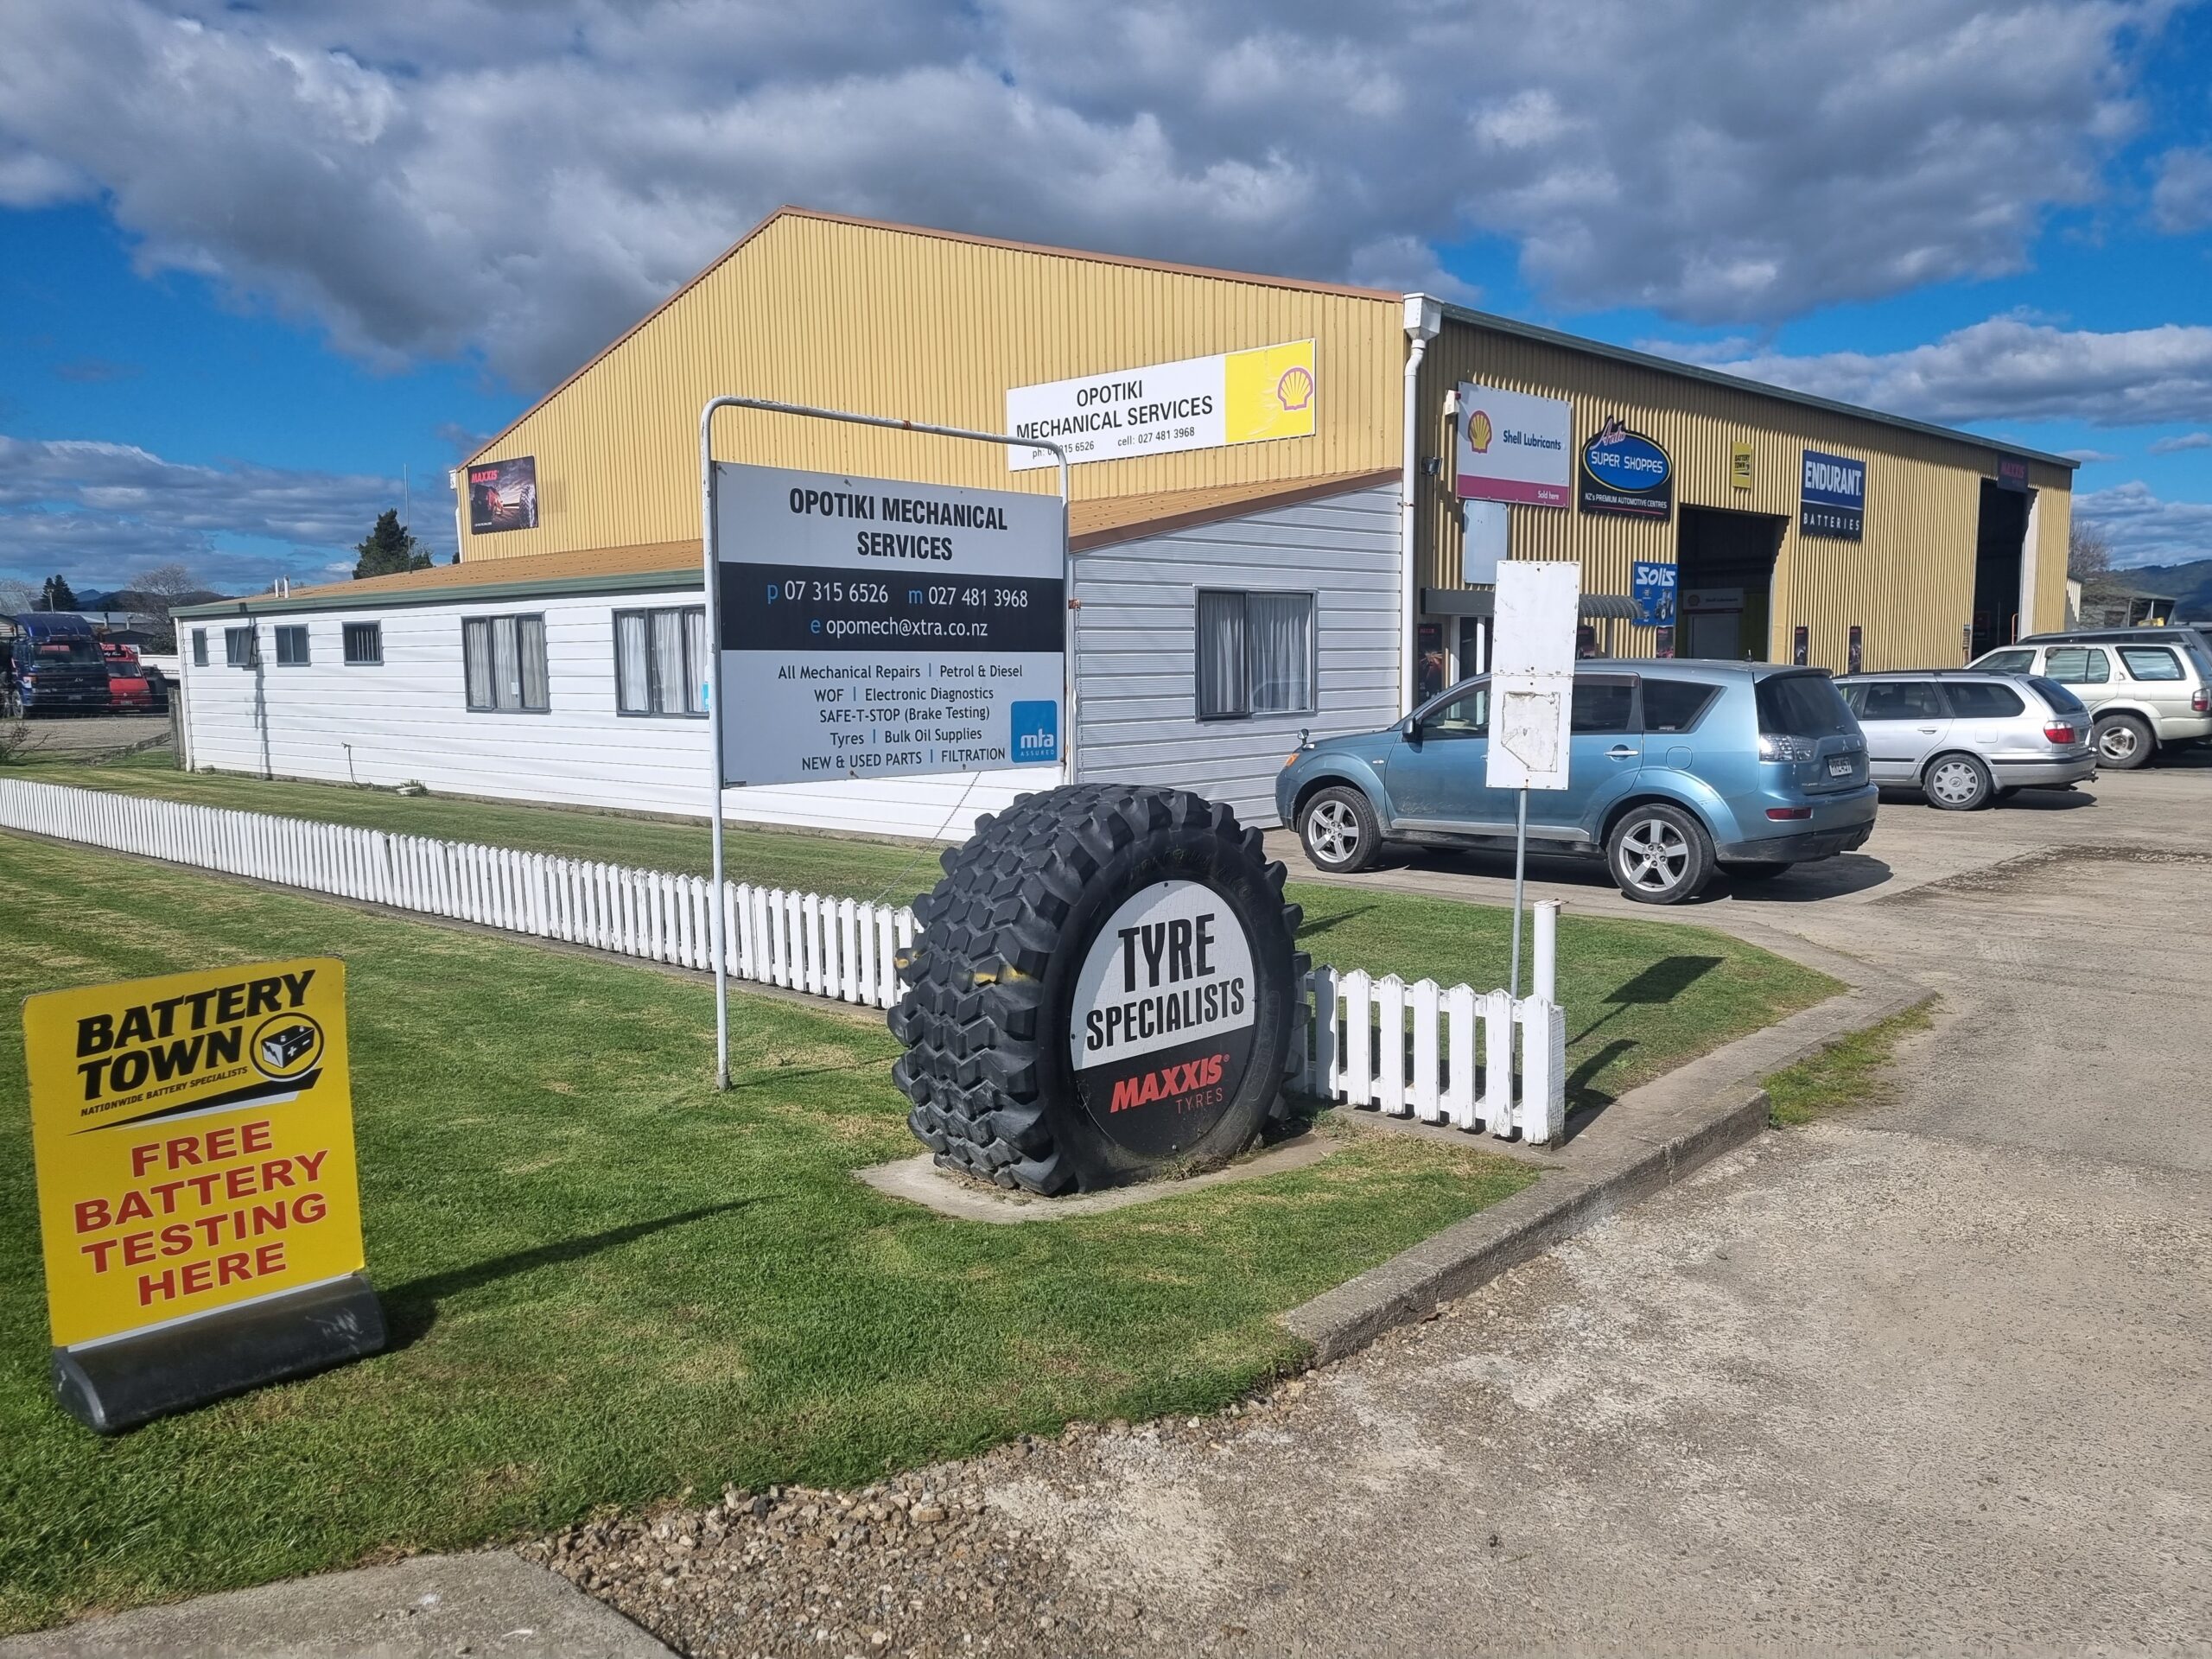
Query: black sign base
<point x="133" y="1380"/>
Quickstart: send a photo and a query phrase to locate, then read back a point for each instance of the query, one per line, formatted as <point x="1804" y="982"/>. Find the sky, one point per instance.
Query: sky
<point x="267" y="269"/>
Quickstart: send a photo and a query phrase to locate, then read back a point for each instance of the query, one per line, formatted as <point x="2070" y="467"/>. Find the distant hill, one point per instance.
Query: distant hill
<point x="2190" y="583"/>
<point x="125" y="599"/>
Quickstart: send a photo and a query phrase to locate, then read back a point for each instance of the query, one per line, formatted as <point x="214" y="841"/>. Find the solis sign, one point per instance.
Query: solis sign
<point x="1163" y="1017"/>
<point x="1625" y="473"/>
<point x="194" y="1137"/>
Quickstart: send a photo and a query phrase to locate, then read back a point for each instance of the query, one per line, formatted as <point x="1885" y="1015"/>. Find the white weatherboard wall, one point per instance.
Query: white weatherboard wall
<point x="1138" y="704"/>
<point x="407" y="718"/>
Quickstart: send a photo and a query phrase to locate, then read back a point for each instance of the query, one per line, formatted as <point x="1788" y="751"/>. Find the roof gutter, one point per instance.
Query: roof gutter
<point x="1424" y="321"/>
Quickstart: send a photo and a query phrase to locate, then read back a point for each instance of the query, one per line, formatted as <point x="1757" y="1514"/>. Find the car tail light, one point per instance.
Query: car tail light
<point x="1784" y="814"/>
<point x="1776" y="746"/>
<point x="2062" y="735"/>
<point x="2200" y="701"/>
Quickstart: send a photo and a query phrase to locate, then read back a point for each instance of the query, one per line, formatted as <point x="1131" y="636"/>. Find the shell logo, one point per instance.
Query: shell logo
<point x="1295" y="389"/>
<point x="1478" y="432"/>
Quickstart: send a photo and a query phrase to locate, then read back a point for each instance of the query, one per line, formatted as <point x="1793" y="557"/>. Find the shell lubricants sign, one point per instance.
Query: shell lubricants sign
<point x="194" y="1137"/>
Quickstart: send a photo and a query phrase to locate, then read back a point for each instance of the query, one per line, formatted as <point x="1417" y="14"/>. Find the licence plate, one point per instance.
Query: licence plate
<point x="1838" y="765"/>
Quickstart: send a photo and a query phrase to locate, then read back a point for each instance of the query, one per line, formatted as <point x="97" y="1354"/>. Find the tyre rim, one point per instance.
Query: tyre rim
<point x="2118" y="741"/>
<point x="1654" y="856"/>
<point x="1955" y="783"/>
<point x="1332" y="832"/>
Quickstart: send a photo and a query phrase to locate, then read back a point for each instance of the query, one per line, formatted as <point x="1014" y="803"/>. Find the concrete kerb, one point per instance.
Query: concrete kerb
<point x="1648" y="1139"/>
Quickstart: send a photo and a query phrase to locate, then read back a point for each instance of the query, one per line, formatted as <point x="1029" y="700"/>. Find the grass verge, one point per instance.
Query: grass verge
<point x="1853" y="1071"/>
<point x="1641" y="997"/>
<point x="607" y="1283"/>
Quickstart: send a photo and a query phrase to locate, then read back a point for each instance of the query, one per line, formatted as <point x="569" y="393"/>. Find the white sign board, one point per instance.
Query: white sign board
<point x="1532" y="673"/>
<point x="1201" y="403"/>
<point x="1512" y="446"/>
<point x="877" y="628"/>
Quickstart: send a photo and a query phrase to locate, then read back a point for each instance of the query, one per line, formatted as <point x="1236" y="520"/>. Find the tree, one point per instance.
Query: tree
<point x="57" y="595"/>
<point x="389" y="549"/>
<point x="2089" y="551"/>
<point x="164" y="588"/>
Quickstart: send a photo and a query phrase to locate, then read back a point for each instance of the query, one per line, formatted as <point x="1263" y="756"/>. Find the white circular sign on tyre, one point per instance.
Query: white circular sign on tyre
<point x="1163" y="1017"/>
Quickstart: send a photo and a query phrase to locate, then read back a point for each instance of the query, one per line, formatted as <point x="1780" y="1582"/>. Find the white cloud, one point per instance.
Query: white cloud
<point x="2010" y="368"/>
<point x="2144" y="529"/>
<point x="101" y="513"/>
<point x="2176" y="445"/>
<point x="2091" y="457"/>
<point x="471" y="175"/>
<point x="2181" y="201"/>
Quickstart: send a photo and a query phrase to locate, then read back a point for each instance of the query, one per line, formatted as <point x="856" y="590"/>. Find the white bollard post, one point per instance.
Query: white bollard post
<point x="1543" y="1072"/>
<point x="1546" y="989"/>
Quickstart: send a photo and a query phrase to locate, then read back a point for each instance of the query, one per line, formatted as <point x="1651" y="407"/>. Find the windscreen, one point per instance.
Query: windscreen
<point x="1803" y="705"/>
<point x="71" y="650"/>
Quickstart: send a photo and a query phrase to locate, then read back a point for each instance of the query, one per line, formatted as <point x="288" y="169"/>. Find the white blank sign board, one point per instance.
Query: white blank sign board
<point x="1532" y="673"/>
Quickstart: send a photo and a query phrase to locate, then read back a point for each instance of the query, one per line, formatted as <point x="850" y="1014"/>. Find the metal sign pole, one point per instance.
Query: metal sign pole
<point x="1520" y="875"/>
<point x="710" y="558"/>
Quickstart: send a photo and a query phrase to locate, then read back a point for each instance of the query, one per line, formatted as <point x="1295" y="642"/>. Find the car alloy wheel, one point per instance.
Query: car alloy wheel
<point x="2119" y="741"/>
<point x="1654" y="856"/>
<point x="1955" y="782"/>
<point x="1332" y="832"/>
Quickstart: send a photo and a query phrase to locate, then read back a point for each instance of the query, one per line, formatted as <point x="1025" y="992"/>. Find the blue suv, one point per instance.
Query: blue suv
<point x="1679" y="768"/>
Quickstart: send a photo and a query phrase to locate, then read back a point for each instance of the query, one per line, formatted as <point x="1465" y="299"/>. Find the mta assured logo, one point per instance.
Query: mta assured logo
<point x="1036" y="731"/>
<point x="1478" y="432"/>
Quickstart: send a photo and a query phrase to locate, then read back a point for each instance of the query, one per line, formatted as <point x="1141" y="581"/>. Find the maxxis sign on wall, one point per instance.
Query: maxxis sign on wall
<point x="1105" y="985"/>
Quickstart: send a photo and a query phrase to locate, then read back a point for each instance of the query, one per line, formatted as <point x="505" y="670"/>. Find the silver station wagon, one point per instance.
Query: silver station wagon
<point x="1966" y="739"/>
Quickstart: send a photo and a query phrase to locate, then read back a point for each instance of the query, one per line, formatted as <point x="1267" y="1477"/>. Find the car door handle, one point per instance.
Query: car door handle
<point x="1928" y="728"/>
<point x="1619" y="752"/>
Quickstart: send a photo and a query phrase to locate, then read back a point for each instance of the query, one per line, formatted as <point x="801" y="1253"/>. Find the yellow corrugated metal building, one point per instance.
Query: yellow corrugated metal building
<point x="937" y="327"/>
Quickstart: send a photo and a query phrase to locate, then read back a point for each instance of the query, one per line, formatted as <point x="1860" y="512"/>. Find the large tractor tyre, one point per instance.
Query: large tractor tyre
<point x="1104" y="986"/>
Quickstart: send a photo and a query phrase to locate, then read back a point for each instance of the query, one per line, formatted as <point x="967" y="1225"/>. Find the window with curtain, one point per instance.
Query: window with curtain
<point x="504" y="661"/>
<point x="1255" y="654"/>
<point x="660" y="661"/>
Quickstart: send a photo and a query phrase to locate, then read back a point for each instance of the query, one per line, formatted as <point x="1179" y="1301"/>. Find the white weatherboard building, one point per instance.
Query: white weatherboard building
<point x="1207" y="639"/>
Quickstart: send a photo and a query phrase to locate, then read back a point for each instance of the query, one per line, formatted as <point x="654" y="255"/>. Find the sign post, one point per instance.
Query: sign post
<point x="1531" y="696"/>
<point x="193" y="1136"/>
<point x="878" y="628"/>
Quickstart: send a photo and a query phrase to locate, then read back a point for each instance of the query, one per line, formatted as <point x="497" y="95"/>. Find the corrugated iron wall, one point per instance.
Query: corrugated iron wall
<point x="1909" y="584"/>
<point x="930" y="328"/>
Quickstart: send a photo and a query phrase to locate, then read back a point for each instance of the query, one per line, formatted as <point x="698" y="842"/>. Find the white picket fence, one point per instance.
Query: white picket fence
<point x="1443" y="1055"/>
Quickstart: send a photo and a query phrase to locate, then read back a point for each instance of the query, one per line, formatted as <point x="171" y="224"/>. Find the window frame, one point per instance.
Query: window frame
<point x="695" y="671"/>
<point x="1955" y="690"/>
<point x="199" y="647"/>
<point x="298" y="633"/>
<point x="347" y="632"/>
<point x="2127" y="653"/>
<point x="1313" y="598"/>
<point x="490" y="622"/>
<point x="250" y="656"/>
<point x="1643" y="684"/>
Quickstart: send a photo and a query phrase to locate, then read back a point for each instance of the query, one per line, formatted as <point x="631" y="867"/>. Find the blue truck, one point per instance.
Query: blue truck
<point x="54" y="667"/>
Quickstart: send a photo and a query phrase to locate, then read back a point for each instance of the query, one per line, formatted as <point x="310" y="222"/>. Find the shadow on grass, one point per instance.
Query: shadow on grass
<point x="1661" y="983"/>
<point x="1309" y="930"/>
<point x="412" y="1309"/>
<point x="1584" y="1103"/>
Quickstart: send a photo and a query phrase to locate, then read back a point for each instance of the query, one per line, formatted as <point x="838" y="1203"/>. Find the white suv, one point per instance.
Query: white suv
<point x="2142" y="695"/>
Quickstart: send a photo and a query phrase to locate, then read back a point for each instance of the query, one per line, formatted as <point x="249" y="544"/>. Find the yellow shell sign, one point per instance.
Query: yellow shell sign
<point x="1269" y="393"/>
<point x="193" y="1136"/>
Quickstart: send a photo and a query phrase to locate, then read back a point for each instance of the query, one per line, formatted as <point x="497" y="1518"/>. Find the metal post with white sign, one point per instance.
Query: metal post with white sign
<point x="907" y="573"/>
<point x="1532" y="696"/>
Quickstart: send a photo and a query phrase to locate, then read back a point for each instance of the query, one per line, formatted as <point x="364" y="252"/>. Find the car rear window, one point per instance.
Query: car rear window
<point x="2062" y="701"/>
<point x="1602" y="705"/>
<point x="1980" y="700"/>
<point x="1803" y="705"/>
<point x="2151" y="663"/>
<point x="1676" y="705"/>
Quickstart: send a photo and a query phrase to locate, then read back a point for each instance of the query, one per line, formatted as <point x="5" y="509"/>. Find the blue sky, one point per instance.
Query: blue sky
<point x="254" y="262"/>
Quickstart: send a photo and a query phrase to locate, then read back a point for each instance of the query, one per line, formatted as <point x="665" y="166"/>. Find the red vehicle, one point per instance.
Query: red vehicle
<point x="130" y="690"/>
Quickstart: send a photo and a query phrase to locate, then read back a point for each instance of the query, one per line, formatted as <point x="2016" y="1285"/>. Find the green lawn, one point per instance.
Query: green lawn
<point x="1641" y="997"/>
<point x="607" y="1283"/>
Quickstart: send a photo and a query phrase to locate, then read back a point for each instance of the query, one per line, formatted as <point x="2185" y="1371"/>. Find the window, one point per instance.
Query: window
<point x="504" y="657"/>
<point x="2060" y="700"/>
<point x="242" y="647"/>
<point x="1464" y="715"/>
<point x="2007" y="662"/>
<point x="2077" y="665"/>
<point x="364" y="644"/>
<point x="1903" y="699"/>
<point x="1978" y="700"/>
<point x="1675" y="705"/>
<point x="1601" y="706"/>
<point x="292" y="646"/>
<point x="1256" y="654"/>
<point x="2151" y="663"/>
<point x="1801" y="705"/>
<point x="199" y="647"/>
<point x="660" y="661"/>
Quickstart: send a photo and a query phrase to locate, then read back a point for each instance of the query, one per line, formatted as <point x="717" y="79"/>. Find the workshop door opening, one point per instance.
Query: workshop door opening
<point x="1725" y="591"/>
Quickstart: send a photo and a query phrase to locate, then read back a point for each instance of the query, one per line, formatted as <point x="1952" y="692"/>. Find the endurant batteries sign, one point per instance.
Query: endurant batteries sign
<point x="1833" y="501"/>
<point x="877" y="627"/>
<point x="1163" y="1017"/>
